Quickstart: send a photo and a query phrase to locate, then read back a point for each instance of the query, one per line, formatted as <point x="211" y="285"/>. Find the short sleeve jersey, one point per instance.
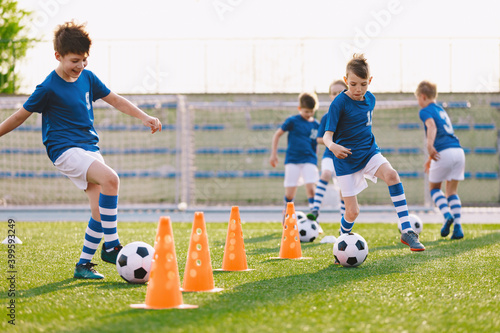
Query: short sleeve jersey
<point x="302" y="143"/>
<point x="67" y="112"/>
<point x="321" y="132"/>
<point x="445" y="137"/>
<point x="351" y="122"/>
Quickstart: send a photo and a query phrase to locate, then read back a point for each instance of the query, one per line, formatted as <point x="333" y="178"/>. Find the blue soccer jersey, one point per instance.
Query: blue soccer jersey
<point x="351" y="122"/>
<point x="302" y="143"/>
<point x="67" y="113"/>
<point x="445" y="137"/>
<point x="321" y="131"/>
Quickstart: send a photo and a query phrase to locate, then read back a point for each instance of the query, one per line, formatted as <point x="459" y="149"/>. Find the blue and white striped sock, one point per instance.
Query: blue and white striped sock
<point x="342" y="208"/>
<point x="455" y="207"/>
<point x="345" y="226"/>
<point x="311" y="203"/>
<point x="108" y="207"/>
<point x="398" y="198"/>
<point x="93" y="236"/>
<point x="319" y="194"/>
<point x="438" y="196"/>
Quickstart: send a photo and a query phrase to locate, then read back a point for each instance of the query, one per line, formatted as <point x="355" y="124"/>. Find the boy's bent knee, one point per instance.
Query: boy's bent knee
<point x="392" y="177"/>
<point x="111" y="184"/>
<point x="351" y="214"/>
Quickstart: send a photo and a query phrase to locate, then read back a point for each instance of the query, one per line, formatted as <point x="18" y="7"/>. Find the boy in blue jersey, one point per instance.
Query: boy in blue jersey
<point x="301" y="159"/>
<point x="327" y="169"/>
<point x="348" y="134"/>
<point x="446" y="158"/>
<point x="65" y="99"/>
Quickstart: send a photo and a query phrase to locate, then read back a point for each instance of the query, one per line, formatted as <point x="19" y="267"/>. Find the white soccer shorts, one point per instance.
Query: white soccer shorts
<point x="355" y="183"/>
<point x="300" y="174"/>
<point x="74" y="164"/>
<point x="451" y="166"/>
<point x="327" y="164"/>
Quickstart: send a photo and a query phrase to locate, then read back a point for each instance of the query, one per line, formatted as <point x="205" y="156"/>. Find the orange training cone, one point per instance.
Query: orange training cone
<point x="290" y="240"/>
<point x="163" y="290"/>
<point x="198" y="275"/>
<point x="235" y="258"/>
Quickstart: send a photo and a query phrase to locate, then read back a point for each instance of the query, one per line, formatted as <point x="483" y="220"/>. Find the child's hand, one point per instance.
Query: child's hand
<point x="339" y="151"/>
<point x="153" y="123"/>
<point x="273" y="160"/>
<point x="433" y="154"/>
<point x="427" y="165"/>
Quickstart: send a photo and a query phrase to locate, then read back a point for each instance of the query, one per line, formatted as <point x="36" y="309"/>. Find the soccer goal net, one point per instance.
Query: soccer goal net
<point x="217" y="153"/>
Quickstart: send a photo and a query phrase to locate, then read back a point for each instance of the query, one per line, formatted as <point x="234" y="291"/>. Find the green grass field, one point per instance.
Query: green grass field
<point x="451" y="287"/>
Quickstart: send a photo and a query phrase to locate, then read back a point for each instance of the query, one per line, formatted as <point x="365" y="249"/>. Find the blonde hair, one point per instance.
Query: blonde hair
<point x="427" y="89"/>
<point x="308" y="101"/>
<point x="335" y="83"/>
<point x="358" y="66"/>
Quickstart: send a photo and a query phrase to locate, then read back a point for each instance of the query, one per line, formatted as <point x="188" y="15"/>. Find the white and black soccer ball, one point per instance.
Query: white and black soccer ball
<point x="134" y="262"/>
<point x="350" y="249"/>
<point x="416" y="224"/>
<point x="308" y="229"/>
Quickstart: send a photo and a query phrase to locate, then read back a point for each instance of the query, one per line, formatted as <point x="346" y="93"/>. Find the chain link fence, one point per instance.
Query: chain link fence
<point x="214" y="150"/>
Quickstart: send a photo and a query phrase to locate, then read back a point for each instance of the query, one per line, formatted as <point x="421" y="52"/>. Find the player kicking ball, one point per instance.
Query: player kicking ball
<point x="65" y="99"/>
<point x="348" y="134"/>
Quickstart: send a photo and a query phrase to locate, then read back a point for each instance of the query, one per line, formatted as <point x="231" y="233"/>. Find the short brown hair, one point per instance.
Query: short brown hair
<point x="308" y="101"/>
<point x="427" y="89"/>
<point x="71" y="37"/>
<point x="358" y="66"/>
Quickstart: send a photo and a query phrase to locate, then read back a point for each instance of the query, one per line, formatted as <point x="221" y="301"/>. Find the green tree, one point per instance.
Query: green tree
<point x="13" y="43"/>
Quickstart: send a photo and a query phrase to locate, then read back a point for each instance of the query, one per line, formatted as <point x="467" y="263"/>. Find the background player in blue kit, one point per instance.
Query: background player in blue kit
<point x="327" y="169"/>
<point x="446" y="158"/>
<point x="356" y="154"/>
<point x="301" y="158"/>
<point x="65" y="99"/>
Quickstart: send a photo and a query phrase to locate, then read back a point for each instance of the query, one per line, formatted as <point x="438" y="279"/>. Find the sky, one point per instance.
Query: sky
<point x="156" y="19"/>
<point x="472" y="30"/>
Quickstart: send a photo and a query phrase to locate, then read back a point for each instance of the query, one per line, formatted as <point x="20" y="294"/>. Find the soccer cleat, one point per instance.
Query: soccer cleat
<point x="87" y="271"/>
<point x="445" y="230"/>
<point x="111" y="255"/>
<point x="458" y="233"/>
<point x="410" y="238"/>
<point x="342" y="232"/>
<point x="313" y="215"/>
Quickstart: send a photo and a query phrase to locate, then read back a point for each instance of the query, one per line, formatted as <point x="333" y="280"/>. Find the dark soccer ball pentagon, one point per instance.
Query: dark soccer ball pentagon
<point x="308" y="229"/>
<point x="350" y="249"/>
<point x="134" y="262"/>
<point x="416" y="224"/>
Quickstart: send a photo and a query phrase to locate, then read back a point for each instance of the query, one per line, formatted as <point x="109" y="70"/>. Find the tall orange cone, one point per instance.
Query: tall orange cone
<point x="290" y="240"/>
<point x="235" y="258"/>
<point x="163" y="290"/>
<point x="198" y="275"/>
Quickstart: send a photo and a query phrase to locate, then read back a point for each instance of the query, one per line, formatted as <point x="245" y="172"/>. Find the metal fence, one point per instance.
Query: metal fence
<point x="214" y="151"/>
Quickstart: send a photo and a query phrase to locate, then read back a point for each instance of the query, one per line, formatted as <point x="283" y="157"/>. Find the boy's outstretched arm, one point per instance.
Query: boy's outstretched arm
<point x="123" y="105"/>
<point x="14" y="121"/>
<point x="273" y="159"/>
